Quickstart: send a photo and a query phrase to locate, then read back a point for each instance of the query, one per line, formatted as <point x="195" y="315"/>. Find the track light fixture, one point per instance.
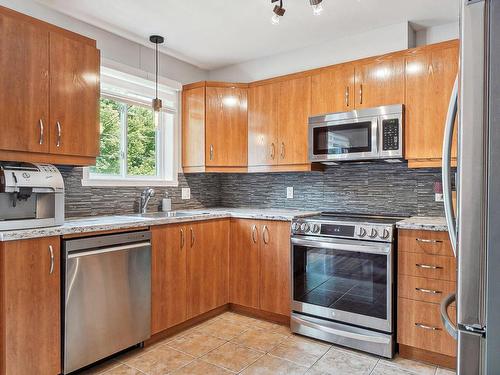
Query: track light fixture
<point x="279" y="11"/>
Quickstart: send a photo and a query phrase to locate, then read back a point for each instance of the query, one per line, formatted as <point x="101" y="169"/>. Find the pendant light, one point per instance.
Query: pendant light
<point x="157" y="40"/>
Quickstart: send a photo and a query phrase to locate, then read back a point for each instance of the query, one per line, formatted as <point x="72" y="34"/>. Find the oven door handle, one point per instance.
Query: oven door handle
<point x="358" y="247"/>
<point x="341" y="333"/>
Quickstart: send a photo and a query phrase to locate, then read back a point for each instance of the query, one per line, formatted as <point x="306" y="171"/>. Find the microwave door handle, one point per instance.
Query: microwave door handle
<point x="446" y="172"/>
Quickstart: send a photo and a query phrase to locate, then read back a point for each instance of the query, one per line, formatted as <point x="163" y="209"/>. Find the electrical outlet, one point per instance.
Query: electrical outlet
<point x="186" y="193"/>
<point x="438" y="197"/>
<point x="289" y="192"/>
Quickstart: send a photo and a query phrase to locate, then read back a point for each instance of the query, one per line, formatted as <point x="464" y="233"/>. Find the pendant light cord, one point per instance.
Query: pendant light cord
<point x="157" y="70"/>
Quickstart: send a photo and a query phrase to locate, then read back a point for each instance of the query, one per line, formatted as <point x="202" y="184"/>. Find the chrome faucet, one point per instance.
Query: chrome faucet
<point x="145" y="197"/>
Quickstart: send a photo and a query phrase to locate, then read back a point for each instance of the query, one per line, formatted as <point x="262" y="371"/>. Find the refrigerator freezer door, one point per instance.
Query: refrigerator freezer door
<point x="470" y="353"/>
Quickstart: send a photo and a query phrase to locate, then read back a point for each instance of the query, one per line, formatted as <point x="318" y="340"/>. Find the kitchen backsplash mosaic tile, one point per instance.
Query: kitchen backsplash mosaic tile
<point x="376" y="187"/>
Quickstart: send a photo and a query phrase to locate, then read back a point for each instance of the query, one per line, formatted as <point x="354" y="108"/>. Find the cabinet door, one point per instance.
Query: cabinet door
<point x="294" y="110"/>
<point x="168" y="277"/>
<point x="226" y="127"/>
<point x="263" y="124"/>
<point x="74" y="97"/>
<point x="207" y="266"/>
<point x="430" y="75"/>
<point x="24" y="86"/>
<point x="30" y="306"/>
<point x="380" y="82"/>
<point x="333" y="90"/>
<point x="193" y="127"/>
<point x="275" y="267"/>
<point x="244" y="263"/>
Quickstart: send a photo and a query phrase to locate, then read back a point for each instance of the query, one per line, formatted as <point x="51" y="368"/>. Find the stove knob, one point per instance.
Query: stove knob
<point x="304" y="227"/>
<point x="295" y="226"/>
<point x="385" y="234"/>
<point x="316" y="228"/>
<point x="362" y="232"/>
<point x="373" y="233"/>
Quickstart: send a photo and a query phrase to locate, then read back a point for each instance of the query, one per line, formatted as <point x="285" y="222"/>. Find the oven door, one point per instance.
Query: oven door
<point x="348" y="281"/>
<point x="354" y="139"/>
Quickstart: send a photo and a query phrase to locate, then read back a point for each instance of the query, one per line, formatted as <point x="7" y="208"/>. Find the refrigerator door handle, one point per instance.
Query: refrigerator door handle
<point x="445" y="318"/>
<point x="446" y="172"/>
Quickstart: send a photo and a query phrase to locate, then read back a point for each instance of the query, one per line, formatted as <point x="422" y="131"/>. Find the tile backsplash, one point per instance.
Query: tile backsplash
<point x="375" y="187"/>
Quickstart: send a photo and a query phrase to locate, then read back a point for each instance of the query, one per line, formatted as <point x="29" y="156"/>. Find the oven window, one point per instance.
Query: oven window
<point x="354" y="282"/>
<point x="342" y="139"/>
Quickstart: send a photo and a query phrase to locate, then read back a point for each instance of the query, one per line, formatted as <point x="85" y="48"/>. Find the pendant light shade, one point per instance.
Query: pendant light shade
<point x="157" y="40"/>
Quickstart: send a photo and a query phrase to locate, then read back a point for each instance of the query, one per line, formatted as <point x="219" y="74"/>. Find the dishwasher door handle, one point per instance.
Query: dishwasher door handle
<point x="108" y="250"/>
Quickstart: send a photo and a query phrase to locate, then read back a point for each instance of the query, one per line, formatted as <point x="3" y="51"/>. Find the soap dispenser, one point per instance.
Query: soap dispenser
<point x="166" y="203"/>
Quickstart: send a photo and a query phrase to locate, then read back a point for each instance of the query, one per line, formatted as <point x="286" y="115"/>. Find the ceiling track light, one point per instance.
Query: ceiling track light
<point x="279" y="11"/>
<point x="157" y="40"/>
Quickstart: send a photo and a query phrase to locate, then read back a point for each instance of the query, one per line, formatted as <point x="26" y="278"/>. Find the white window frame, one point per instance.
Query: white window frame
<point x="167" y="172"/>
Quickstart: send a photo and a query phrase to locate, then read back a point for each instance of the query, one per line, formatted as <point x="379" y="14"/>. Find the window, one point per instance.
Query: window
<point x="138" y="147"/>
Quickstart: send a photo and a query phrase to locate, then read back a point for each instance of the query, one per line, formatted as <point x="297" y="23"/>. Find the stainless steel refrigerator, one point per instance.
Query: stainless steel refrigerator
<point x="475" y="232"/>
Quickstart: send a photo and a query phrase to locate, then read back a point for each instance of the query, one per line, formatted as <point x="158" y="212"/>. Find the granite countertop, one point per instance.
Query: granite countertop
<point x="423" y="223"/>
<point x="105" y="223"/>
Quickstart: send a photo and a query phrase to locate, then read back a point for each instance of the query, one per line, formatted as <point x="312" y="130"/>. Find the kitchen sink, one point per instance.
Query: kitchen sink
<point x="171" y="214"/>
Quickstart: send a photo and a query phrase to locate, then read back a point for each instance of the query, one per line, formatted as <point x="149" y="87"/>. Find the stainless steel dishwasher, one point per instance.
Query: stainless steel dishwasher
<point x="107" y="300"/>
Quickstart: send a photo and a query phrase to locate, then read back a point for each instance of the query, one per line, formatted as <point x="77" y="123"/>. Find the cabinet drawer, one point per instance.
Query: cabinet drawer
<point x="424" y="289"/>
<point x="419" y="325"/>
<point x="423" y="265"/>
<point x="424" y="242"/>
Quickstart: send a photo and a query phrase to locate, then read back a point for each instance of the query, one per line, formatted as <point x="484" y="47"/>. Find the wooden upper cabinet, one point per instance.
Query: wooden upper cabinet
<point x="74" y="97"/>
<point x="24" y="86"/>
<point x="168" y="277"/>
<point x="226" y="127"/>
<point x="430" y="75"/>
<point x="333" y="90"/>
<point x="193" y="127"/>
<point x="263" y="102"/>
<point x="30" y="309"/>
<point x="380" y="81"/>
<point x="294" y="110"/>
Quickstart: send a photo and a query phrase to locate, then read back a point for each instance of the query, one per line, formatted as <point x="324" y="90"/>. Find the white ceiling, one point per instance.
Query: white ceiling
<point x="216" y="33"/>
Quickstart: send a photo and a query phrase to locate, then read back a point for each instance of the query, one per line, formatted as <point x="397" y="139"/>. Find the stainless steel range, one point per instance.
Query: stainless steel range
<point x="342" y="280"/>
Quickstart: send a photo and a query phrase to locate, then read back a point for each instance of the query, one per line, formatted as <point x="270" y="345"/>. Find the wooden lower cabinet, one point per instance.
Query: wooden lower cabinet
<point x="30" y="307"/>
<point x="260" y="265"/>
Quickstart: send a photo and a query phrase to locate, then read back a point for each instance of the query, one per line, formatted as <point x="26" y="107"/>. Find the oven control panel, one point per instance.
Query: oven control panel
<point x="360" y="231"/>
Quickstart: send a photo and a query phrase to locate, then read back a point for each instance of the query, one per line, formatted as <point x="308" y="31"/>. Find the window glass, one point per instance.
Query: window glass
<point x="141" y="141"/>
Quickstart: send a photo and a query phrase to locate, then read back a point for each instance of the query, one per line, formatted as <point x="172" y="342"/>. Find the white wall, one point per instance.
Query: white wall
<point x="437" y="34"/>
<point x="112" y="46"/>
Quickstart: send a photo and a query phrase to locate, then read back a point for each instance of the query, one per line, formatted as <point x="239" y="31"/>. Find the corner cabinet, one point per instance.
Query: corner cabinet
<point x="30" y="307"/>
<point x="214" y="127"/>
<point x="49" y="93"/>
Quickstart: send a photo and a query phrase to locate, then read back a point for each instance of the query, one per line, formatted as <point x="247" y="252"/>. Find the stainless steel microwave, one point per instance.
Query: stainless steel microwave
<point x="365" y="134"/>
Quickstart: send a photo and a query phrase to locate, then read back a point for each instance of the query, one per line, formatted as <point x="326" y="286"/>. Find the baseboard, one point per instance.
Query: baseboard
<point x="409" y="352"/>
<point x="261" y="314"/>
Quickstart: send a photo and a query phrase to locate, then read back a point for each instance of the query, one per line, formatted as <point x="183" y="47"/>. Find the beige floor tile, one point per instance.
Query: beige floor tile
<point x="239" y="319"/>
<point x="196" y="344"/>
<point x="382" y="368"/>
<point x="411" y="366"/>
<point x="301" y="350"/>
<point x="124" y="357"/>
<point x="200" y="367"/>
<point x="224" y="329"/>
<point x="123" y="370"/>
<point x="260" y="339"/>
<point x="445" y="371"/>
<point x="233" y="357"/>
<point x="284" y="330"/>
<point x="160" y="361"/>
<point x="342" y="362"/>
<point x="101" y="368"/>
<point x="270" y="365"/>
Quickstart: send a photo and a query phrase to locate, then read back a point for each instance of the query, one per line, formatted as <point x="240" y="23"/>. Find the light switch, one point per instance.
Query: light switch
<point x="289" y="192"/>
<point x="186" y="193"/>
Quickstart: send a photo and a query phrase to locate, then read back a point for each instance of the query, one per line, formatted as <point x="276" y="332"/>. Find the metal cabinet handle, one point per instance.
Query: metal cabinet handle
<point x="428" y="266"/>
<point x="51" y="254"/>
<point x="59" y="131"/>
<point x="265" y="234"/>
<point x="424" y="326"/>
<point x="192" y="236"/>
<point x="360" y="94"/>
<point x="423" y="240"/>
<point x="282" y="153"/>
<point x="211" y="152"/>
<point x="182" y="238"/>
<point x="347" y="96"/>
<point x="273" y="150"/>
<point x="430" y="291"/>
<point x="254" y="232"/>
<point x="40" y="123"/>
